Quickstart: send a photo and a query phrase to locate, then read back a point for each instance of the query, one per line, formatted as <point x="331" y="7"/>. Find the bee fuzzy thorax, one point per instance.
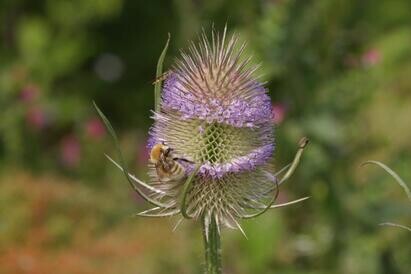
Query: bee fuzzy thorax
<point x="156" y="152"/>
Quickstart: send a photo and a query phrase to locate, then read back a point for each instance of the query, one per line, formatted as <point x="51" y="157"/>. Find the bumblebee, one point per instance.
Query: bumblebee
<point x="167" y="166"/>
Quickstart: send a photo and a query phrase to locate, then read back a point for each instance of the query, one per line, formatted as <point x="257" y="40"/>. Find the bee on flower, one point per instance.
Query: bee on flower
<point x="212" y="140"/>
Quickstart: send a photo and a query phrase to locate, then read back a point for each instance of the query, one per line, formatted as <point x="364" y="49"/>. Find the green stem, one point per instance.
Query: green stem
<point x="212" y="247"/>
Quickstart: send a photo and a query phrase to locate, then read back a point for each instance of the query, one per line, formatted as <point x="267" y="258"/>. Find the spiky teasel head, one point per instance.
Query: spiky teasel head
<point x="217" y="118"/>
<point x="217" y="115"/>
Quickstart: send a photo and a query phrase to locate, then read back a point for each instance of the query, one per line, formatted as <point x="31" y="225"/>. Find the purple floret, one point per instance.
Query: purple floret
<point x="249" y="162"/>
<point x="242" y="111"/>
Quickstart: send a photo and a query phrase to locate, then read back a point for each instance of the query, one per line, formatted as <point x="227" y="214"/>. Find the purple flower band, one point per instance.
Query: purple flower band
<point x="248" y="111"/>
<point x="249" y="162"/>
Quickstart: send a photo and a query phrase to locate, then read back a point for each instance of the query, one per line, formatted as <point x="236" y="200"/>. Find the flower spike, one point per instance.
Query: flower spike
<point x="216" y="118"/>
<point x="212" y="142"/>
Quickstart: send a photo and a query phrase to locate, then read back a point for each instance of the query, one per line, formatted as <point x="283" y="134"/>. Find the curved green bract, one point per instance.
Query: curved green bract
<point x="120" y="156"/>
<point x="185" y="192"/>
<point x="302" y="145"/>
<point x="396" y="225"/>
<point x="159" y="72"/>
<point x="275" y="196"/>
<point x="290" y="203"/>
<point x="148" y="213"/>
<point x="393" y="174"/>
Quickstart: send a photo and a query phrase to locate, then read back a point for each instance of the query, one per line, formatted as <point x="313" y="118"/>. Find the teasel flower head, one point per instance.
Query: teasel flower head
<point x="216" y="116"/>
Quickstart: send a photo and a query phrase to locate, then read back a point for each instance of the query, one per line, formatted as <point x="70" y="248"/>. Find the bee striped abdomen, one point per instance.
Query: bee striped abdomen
<point x="177" y="171"/>
<point x="174" y="168"/>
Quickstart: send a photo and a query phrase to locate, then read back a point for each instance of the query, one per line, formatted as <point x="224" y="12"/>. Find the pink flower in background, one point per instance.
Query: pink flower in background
<point x="279" y="111"/>
<point x="371" y="57"/>
<point x="70" y="151"/>
<point x="95" y="128"/>
<point x="29" y="92"/>
<point x="36" y="118"/>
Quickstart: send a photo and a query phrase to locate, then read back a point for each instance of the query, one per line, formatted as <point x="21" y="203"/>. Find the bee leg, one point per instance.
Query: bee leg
<point x="184" y="160"/>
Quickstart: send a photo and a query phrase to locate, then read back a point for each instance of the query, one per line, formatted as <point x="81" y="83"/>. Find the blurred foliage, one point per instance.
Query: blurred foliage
<point x="338" y="72"/>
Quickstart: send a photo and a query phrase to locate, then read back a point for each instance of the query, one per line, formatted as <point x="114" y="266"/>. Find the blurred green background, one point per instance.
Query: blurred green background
<point x="338" y="72"/>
